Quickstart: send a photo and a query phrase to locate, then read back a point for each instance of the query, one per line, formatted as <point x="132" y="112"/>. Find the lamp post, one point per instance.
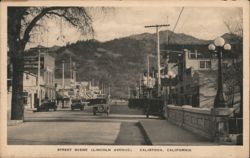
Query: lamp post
<point x="171" y="75"/>
<point x="218" y="47"/>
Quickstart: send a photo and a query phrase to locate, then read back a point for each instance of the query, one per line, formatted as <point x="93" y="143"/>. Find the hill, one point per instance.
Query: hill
<point x="171" y="38"/>
<point x="119" y="62"/>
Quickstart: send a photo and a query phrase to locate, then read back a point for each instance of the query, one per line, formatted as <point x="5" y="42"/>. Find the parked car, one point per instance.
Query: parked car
<point x="77" y="104"/>
<point x="101" y="105"/>
<point x="50" y="104"/>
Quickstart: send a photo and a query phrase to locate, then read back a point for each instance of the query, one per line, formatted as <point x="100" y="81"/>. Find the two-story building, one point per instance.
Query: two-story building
<point x="30" y="90"/>
<point x="45" y="77"/>
<point x="196" y="78"/>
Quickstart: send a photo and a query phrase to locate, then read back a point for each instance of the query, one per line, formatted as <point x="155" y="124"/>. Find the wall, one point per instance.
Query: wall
<point x="29" y="86"/>
<point x="212" y="123"/>
<point x="48" y="77"/>
<point x="195" y="62"/>
<point x="208" y="88"/>
<point x="196" y="120"/>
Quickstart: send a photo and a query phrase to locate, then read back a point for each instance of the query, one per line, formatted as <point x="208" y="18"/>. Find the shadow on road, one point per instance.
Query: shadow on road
<point x="93" y="119"/>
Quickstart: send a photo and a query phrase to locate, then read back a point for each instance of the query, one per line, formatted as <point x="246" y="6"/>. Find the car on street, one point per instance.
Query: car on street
<point x="77" y="104"/>
<point x="101" y="105"/>
<point x="47" y="105"/>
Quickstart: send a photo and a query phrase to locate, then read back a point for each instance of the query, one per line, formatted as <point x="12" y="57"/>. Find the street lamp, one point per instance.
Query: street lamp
<point x="218" y="47"/>
<point x="171" y="75"/>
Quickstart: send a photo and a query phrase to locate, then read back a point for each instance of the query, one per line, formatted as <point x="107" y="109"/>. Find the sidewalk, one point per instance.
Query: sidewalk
<point x="161" y="132"/>
<point x="17" y="122"/>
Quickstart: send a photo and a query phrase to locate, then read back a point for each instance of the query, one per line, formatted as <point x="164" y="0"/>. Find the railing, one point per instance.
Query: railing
<point x="216" y="124"/>
<point x="196" y="120"/>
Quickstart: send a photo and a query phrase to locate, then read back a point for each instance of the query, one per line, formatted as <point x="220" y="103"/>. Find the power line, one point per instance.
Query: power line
<point x="176" y="24"/>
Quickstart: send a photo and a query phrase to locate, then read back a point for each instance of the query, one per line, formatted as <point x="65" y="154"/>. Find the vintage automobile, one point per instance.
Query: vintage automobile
<point x="47" y="105"/>
<point x="100" y="105"/>
<point x="77" y="104"/>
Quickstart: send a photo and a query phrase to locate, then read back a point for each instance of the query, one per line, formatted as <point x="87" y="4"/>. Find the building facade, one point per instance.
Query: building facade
<point x="196" y="79"/>
<point x="45" y="80"/>
<point x="29" y="90"/>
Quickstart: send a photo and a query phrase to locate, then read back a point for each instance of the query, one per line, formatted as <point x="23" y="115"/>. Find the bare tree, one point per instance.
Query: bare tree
<point x="235" y="25"/>
<point x="234" y="74"/>
<point x="21" y="22"/>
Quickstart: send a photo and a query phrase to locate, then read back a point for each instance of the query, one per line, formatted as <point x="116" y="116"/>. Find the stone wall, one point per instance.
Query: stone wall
<point x="197" y="120"/>
<point x="209" y="123"/>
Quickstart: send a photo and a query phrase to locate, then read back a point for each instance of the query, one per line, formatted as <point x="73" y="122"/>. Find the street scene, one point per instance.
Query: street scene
<point x="125" y="76"/>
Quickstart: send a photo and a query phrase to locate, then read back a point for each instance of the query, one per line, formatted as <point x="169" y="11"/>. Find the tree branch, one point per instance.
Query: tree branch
<point x="34" y="21"/>
<point x="77" y="17"/>
<point x="64" y="16"/>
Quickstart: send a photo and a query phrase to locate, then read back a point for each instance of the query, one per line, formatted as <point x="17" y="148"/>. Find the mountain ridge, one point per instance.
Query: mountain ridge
<point x="119" y="63"/>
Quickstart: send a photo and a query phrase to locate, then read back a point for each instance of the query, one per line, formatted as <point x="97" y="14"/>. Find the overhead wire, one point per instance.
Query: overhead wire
<point x="175" y="24"/>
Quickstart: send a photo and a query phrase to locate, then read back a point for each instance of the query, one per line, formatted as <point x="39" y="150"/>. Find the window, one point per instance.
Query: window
<point x="208" y="64"/>
<point x="25" y="98"/>
<point x="205" y="64"/>
<point x="202" y="64"/>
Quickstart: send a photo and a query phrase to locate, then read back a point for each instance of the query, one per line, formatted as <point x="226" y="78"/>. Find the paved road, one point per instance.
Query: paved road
<point x="66" y="127"/>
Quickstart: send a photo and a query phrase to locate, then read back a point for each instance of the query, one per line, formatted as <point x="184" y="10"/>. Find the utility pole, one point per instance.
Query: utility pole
<point x="109" y="91"/>
<point x="148" y="71"/>
<point x="63" y="74"/>
<point x="103" y="88"/>
<point x="63" y="83"/>
<point x="158" y="54"/>
<point x="128" y="92"/>
<point x="70" y="68"/>
<point x="140" y="85"/>
<point x="93" y="82"/>
<point x="38" y="78"/>
<point x="148" y="88"/>
<point x="167" y="32"/>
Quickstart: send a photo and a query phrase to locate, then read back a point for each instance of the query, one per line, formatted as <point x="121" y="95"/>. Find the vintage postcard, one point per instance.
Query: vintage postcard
<point x="124" y="79"/>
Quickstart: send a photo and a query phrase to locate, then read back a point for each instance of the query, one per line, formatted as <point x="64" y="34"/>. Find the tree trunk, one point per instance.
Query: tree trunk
<point x="17" y="107"/>
<point x="241" y="100"/>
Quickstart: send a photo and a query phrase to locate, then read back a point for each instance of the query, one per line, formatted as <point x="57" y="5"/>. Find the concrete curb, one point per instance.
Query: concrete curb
<point x="144" y="133"/>
<point x="14" y="122"/>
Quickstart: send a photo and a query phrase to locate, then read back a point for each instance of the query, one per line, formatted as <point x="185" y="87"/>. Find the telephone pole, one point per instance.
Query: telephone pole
<point x="148" y="71"/>
<point x="158" y="54"/>
<point x="128" y="92"/>
<point x="38" y="78"/>
<point x="63" y="74"/>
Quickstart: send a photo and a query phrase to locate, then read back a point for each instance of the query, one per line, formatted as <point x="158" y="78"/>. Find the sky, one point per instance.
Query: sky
<point x="201" y="22"/>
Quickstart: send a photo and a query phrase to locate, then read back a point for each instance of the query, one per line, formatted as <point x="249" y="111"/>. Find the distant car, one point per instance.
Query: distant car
<point x="77" y="104"/>
<point x="50" y="104"/>
<point x="101" y="105"/>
